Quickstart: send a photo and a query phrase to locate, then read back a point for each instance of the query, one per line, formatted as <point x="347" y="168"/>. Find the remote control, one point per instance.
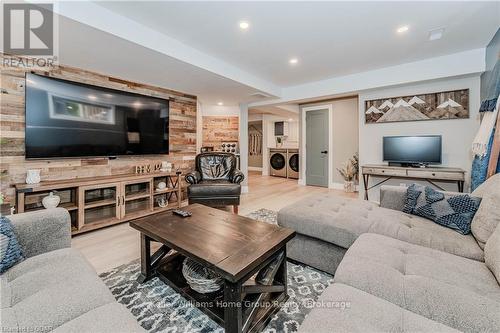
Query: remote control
<point x="182" y="213"/>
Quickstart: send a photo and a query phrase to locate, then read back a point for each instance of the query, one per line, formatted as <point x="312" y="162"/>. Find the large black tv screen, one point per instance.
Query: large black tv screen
<point x="68" y="119"/>
<point x="412" y="149"/>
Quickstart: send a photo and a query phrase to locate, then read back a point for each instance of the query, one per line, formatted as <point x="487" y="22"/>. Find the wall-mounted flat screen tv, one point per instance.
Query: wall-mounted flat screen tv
<point x="68" y="119"/>
<point x="425" y="149"/>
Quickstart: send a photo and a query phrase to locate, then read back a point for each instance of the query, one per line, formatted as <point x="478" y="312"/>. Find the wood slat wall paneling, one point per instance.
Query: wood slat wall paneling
<point x="13" y="165"/>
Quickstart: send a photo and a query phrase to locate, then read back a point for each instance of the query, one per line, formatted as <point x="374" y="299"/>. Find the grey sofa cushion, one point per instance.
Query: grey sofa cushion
<point x="340" y="221"/>
<point x="455" y="291"/>
<point x="112" y="317"/>
<point x="51" y="289"/>
<point x="488" y="215"/>
<point x="48" y="270"/>
<point x="347" y="309"/>
<point x="314" y="252"/>
<point x="42" y="230"/>
<point x="5" y="291"/>
<point x="492" y="253"/>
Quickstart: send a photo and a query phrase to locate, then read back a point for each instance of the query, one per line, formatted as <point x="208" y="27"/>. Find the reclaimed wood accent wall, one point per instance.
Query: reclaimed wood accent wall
<point x="13" y="164"/>
<point x="218" y="129"/>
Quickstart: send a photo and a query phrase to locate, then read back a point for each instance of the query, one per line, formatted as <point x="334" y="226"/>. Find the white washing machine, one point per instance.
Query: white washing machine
<point x="292" y="164"/>
<point x="277" y="162"/>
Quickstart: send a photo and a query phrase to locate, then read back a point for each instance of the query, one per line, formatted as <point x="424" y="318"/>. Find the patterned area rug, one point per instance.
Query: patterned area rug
<point x="159" y="308"/>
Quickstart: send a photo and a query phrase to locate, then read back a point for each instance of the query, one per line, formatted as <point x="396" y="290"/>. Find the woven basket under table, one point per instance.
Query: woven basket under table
<point x="200" y="278"/>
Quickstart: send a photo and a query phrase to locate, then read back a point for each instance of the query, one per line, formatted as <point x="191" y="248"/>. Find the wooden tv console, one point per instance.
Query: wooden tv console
<point x="97" y="202"/>
<point x="429" y="174"/>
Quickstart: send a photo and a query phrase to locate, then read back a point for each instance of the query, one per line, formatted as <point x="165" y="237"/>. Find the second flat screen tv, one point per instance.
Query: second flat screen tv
<point x="412" y="149"/>
<point x="68" y="119"/>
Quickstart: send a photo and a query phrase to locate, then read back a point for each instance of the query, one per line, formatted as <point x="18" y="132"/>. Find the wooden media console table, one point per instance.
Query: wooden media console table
<point x="428" y="174"/>
<point x="96" y="202"/>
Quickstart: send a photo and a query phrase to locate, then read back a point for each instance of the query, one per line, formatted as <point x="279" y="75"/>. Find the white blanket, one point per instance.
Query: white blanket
<point x="480" y="143"/>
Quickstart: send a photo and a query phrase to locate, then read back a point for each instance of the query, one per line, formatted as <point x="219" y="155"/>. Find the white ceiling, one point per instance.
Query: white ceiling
<point x="198" y="48"/>
<point x="105" y="53"/>
<point x="329" y="38"/>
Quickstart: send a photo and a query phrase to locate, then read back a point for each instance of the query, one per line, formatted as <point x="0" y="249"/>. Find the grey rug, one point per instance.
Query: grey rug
<point x="158" y="308"/>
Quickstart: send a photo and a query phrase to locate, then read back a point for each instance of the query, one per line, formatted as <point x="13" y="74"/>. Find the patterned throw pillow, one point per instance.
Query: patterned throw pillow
<point x="10" y="250"/>
<point x="449" y="210"/>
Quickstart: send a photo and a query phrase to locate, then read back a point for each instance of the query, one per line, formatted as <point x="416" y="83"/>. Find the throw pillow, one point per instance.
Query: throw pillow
<point x="454" y="211"/>
<point x="10" y="250"/>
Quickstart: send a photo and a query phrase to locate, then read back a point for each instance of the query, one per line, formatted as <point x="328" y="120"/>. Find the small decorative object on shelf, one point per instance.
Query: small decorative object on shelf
<point x="161" y="186"/>
<point x="154" y="167"/>
<point x="162" y="201"/>
<point x="350" y="172"/>
<point x="166" y="166"/>
<point x="51" y="201"/>
<point x="200" y="278"/>
<point x="279" y="141"/>
<point x="33" y="176"/>
<point x="157" y="167"/>
<point x="142" y="169"/>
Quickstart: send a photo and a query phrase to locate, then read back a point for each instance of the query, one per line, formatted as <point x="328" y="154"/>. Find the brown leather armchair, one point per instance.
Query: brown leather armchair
<point x="216" y="181"/>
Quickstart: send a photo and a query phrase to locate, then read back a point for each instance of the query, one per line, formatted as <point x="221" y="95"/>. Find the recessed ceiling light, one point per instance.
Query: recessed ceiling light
<point x="293" y="61"/>
<point x="244" y="25"/>
<point x="137" y="104"/>
<point x="402" y="29"/>
<point x="436" y="34"/>
<point x="290" y="119"/>
<point x="220" y="103"/>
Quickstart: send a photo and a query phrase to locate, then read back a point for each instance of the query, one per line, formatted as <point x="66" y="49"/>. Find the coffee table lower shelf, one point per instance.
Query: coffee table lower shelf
<point x="169" y="270"/>
<point x="249" y="255"/>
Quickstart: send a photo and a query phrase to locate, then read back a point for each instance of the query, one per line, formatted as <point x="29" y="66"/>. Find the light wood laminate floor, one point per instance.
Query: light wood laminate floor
<point x="116" y="245"/>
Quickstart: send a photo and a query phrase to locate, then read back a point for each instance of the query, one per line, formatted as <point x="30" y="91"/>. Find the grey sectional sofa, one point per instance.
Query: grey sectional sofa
<point x="55" y="288"/>
<point x="398" y="272"/>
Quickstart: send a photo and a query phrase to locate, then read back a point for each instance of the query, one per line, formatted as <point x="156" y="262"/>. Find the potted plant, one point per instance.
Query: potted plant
<point x="349" y="172"/>
<point x="279" y="141"/>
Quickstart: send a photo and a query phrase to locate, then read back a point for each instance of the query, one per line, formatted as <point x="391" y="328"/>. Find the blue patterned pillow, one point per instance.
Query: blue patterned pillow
<point x="10" y="250"/>
<point x="449" y="210"/>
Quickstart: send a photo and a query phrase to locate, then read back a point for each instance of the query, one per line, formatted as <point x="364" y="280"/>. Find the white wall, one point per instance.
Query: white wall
<point x="220" y="110"/>
<point x="457" y="134"/>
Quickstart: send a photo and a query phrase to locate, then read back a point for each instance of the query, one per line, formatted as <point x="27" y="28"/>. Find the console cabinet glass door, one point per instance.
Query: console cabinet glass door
<point x="136" y="197"/>
<point x="99" y="203"/>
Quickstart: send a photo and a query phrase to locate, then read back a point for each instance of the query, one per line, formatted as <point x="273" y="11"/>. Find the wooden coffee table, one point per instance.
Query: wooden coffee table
<point x="249" y="255"/>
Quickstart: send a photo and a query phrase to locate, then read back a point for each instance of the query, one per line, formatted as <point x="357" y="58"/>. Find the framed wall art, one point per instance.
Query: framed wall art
<point x="434" y="106"/>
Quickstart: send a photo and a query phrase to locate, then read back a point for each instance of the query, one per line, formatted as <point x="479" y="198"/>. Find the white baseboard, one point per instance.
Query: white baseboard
<point x="250" y="168"/>
<point x="340" y="186"/>
<point x="244" y="188"/>
<point x="336" y="186"/>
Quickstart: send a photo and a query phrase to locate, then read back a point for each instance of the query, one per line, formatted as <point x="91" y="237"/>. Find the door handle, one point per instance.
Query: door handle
<point x="324" y="152"/>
